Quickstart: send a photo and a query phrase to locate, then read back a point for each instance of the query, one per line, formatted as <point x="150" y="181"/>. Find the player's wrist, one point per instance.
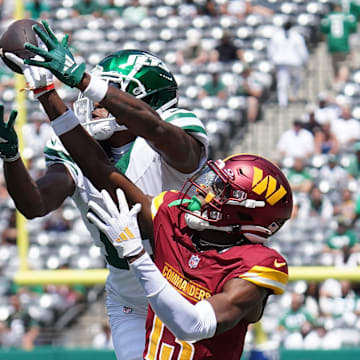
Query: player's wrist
<point x="132" y="258"/>
<point x="84" y="83"/>
<point x="96" y="89"/>
<point x="65" y="123"/>
<point x="43" y="90"/>
<point x="11" y="158"/>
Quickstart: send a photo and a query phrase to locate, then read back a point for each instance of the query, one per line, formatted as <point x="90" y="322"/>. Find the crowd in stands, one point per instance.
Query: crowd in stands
<point x="218" y="52"/>
<point x="320" y="155"/>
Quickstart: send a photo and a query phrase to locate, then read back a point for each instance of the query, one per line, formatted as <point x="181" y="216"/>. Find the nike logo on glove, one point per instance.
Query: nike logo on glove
<point x="279" y="264"/>
<point x="3" y="141"/>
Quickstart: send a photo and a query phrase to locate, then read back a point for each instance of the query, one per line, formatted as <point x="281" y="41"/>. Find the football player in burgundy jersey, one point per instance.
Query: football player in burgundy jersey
<point x="213" y="273"/>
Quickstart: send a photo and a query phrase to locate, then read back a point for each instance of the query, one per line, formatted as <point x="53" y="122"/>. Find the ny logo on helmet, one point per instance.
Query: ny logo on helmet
<point x="141" y="60"/>
<point x="268" y="184"/>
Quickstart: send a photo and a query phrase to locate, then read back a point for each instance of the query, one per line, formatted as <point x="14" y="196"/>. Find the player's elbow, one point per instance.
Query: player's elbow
<point x="29" y="212"/>
<point x="200" y="324"/>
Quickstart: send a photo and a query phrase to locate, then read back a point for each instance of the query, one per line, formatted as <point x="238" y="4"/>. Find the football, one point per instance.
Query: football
<point x="13" y="39"/>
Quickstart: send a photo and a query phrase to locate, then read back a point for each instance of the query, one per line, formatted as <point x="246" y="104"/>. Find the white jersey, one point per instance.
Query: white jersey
<point x="146" y="168"/>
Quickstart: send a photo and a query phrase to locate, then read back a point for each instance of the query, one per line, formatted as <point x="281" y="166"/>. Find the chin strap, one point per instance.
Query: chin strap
<point x="166" y="106"/>
<point x="195" y="223"/>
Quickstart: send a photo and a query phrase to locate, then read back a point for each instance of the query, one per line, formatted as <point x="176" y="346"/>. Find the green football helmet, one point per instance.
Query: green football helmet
<point x="136" y="72"/>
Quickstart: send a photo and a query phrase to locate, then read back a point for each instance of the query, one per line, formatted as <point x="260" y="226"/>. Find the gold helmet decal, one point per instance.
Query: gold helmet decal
<point x="268" y="184"/>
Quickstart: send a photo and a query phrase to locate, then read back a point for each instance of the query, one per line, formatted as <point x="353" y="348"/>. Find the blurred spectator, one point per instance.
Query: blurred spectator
<point x="328" y="110"/>
<point x="295" y="323"/>
<point x="325" y="141"/>
<point x="102" y="340"/>
<point x="192" y="51"/>
<point x="288" y="51"/>
<point x="337" y="27"/>
<point x="334" y="176"/>
<point x="37" y="9"/>
<point x="353" y="167"/>
<point x="296" y="142"/>
<point x="214" y="87"/>
<point x="300" y="179"/>
<point x="226" y="51"/>
<point x="87" y="7"/>
<point x="208" y="8"/>
<point x="346" y="128"/>
<point x="309" y="119"/>
<point x="346" y="206"/>
<point x="135" y="13"/>
<point x="317" y="206"/>
<point x="19" y="330"/>
<point x="339" y="304"/>
<point x="250" y="88"/>
<point x="340" y="244"/>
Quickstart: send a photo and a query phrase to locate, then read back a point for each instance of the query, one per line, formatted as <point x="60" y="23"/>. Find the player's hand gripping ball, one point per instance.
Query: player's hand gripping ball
<point x="13" y="39"/>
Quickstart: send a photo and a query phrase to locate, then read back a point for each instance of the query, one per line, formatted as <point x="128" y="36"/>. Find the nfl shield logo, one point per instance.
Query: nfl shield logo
<point x="194" y="261"/>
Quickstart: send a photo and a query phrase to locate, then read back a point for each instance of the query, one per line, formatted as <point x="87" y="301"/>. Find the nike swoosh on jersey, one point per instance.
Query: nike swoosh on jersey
<point x="279" y="264"/>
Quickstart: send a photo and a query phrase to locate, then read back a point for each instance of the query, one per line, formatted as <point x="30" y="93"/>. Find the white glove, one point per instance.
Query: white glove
<point x="120" y="227"/>
<point x="39" y="80"/>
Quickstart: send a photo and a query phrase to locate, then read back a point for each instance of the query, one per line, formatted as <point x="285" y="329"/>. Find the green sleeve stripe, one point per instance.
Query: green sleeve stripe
<point x="59" y="156"/>
<point x="194" y="128"/>
<point x="179" y="115"/>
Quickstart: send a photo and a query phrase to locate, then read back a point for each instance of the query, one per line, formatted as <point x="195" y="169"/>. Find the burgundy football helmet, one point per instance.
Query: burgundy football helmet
<point x="244" y="194"/>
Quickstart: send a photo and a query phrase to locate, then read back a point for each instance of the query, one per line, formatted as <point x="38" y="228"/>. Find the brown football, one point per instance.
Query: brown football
<point x="13" y="39"/>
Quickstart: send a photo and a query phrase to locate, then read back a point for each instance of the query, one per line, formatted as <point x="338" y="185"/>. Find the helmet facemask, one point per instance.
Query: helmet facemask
<point x="100" y="129"/>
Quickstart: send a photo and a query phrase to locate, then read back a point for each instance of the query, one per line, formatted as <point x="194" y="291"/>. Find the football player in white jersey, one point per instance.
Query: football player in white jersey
<point x="154" y="143"/>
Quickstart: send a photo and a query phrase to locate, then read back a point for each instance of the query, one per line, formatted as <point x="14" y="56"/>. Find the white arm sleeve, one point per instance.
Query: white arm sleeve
<point x="186" y="321"/>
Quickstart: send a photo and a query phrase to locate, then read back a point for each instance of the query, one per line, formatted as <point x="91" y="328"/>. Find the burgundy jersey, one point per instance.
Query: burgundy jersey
<point x="199" y="275"/>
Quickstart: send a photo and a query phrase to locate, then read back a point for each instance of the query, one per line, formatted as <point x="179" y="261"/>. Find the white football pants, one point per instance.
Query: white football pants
<point x="127" y="331"/>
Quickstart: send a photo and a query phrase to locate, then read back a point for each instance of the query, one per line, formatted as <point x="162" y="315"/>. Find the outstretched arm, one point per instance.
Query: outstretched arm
<point x="31" y="198"/>
<point x="85" y="151"/>
<point x="178" y="148"/>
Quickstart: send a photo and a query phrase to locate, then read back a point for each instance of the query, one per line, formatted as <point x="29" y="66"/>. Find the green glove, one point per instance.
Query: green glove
<point x="57" y="57"/>
<point x="9" y="148"/>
